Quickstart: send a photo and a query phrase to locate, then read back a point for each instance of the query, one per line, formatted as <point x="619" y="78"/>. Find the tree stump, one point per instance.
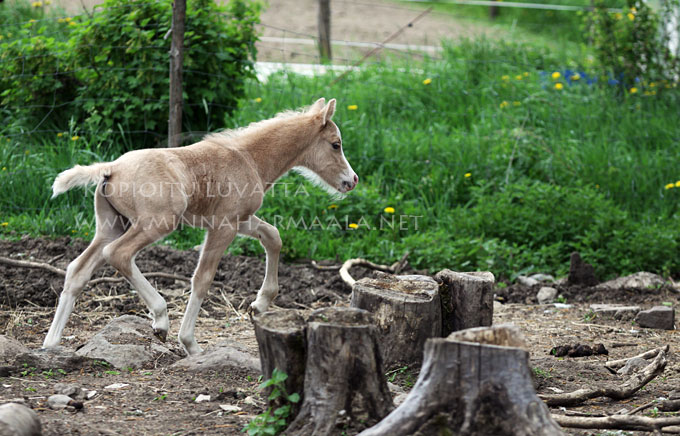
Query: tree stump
<point x="472" y="389"/>
<point x="344" y="373"/>
<point x="407" y="311"/>
<point x="18" y="420"/>
<point x="467" y="299"/>
<point x="281" y="340"/>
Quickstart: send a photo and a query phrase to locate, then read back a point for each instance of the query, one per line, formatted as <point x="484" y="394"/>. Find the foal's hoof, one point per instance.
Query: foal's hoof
<point x="162" y="335"/>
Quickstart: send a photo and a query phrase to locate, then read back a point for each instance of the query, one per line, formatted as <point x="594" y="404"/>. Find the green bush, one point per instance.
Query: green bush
<point x="125" y="49"/>
<point x="110" y="71"/>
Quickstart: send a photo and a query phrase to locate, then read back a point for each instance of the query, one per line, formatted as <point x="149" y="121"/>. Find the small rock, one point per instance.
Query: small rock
<point x="562" y="306"/>
<point x="581" y="273"/>
<point x="249" y="400"/>
<point x="17" y="419"/>
<point x="526" y="281"/>
<point x="9" y="349"/>
<point x="225" y="355"/>
<point x="116" y="386"/>
<point x="201" y="398"/>
<point x="546" y="295"/>
<point x="70" y="389"/>
<point x="394" y="388"/>
<point x="658" y="317"/>
<point x="230" y="408"/>
<point x="641" y="280"/>
<point x="91" y="394"/>
<point x="633" y="365"/>
<point x="400" y="399"/>
<point x="58" y="402"/>
<point x="542" y="278"/>
<point x="615" y="311"/>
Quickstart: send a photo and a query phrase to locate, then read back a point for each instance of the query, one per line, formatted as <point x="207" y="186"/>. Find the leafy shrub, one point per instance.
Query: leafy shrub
<point x="633" y="44"/>
<point x="125" y="48"/>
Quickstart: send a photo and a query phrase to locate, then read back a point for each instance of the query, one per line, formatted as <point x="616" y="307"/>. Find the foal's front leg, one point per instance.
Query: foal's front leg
<point x="269" y="237"/>
<point x="216" y="241"/>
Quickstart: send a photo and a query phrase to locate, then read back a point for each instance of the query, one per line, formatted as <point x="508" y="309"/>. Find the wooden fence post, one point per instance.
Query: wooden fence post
<point x="325" y="30"/>
<point x="179" y="8"/>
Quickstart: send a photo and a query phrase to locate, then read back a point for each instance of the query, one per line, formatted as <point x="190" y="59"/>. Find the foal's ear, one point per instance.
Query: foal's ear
<point x="328" y="111"/>
<point x="318" y="105"/>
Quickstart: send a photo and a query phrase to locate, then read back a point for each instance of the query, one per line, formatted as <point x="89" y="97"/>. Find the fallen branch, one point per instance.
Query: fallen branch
<point x="617" y="364"/>
<point x="61" y="272"/>
<point x="621" y="422"/>
<point x="395" y="268"/>
<point x="625" y="390"/>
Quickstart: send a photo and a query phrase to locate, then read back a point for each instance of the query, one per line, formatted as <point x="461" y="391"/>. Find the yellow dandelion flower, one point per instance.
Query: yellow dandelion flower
<point x="504" y="104"/>
<point x="669" y="186"/>
<point x="633" y="10"/>
<point x="576" y="76"/>
<point x="388" y="209"/>
<point x="71" y="23"/>
<point x="505" y="77"/>
<point x="526" y="74"/>
<point x="61" y="20"/>
<point x="60" y="134"/>
<point x="36" y="4"/>
<point x="333" y="206"/>
<point x="467" y="175"/>
<point x="677" y="184"/>
<point x="48" y="2"/>
<point x="258" y="100"/>
<point x="427" y="81"/>
<point x="73" y="231"/>
<point x="5" y="224"/>
<point x="86" y="233"/>
<point x="519" y="77"/>
<point x="75" y="138"/>
<point x="516" y="103"/>
<point x="652" y="85"/>
<point x="630" y="16"/>
<point x="633" y="90"/>
<point x="353" y="226"/>
<point x="556" y="75"/>
<point x="4" y="168"/>
<point x="32" y="21"/>
<point x="352" y="107"/>
<point x="559" y="86"/>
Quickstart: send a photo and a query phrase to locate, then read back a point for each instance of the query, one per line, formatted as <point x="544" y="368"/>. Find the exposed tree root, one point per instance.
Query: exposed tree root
<point x="395" y="268"/>
<point x="625" y="390"/>
<point x="621" y="422"/>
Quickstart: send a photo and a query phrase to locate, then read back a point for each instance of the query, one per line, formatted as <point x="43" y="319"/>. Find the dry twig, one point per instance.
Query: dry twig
<point x="625" y="390"/>
<point x="61" y="272"/>
<point x="621" y="422"/>
<point x="395" y="268"/>
<point x="616" y="364"/>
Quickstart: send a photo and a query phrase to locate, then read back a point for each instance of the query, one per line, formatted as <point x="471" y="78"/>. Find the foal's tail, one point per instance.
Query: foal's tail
<point x="80" y="176"/>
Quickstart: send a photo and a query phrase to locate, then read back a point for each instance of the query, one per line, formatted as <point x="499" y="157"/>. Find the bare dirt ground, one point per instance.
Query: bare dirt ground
<point x="159" y="400"/>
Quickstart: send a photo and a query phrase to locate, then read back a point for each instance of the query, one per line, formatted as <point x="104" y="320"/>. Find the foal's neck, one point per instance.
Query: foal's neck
<point x="276" y="148"/>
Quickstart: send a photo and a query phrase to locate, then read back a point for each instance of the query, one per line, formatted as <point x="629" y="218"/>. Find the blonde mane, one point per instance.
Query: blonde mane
<point x="257" y="126"/>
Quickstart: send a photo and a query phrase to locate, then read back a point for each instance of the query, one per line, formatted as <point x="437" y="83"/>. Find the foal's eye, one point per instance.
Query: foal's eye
<point x="336" y="145"/>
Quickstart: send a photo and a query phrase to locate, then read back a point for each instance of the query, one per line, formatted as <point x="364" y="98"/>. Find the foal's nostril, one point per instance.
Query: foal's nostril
<point x="356" y="179"/>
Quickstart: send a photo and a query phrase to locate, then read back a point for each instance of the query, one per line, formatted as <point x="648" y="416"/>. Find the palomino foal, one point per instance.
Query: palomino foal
<point x="218" y="184"/>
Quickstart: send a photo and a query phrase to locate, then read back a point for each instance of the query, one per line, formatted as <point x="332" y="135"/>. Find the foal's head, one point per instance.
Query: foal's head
<point x="325" y="157"/>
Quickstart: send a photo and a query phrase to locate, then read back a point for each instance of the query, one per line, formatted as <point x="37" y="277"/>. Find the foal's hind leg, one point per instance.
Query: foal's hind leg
<point x="269" y="237"/>
<point x="109" y="227"/>
<point x="121" y="255"/>
<point x="216" y="241"/>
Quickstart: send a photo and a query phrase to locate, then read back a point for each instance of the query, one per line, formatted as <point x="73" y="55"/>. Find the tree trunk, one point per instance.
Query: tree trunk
<point x="344" y="375"/>
<point x="472" y="389"/>
<point x="281" y="340"/>
<point x="179" y="8"/>
<point x="467" y="299"/>
<point x="407" y="311"/>
<point x="18" y="420"/>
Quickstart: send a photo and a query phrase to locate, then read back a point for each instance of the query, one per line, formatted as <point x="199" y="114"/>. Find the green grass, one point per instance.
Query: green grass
<point x="550" y="171"/>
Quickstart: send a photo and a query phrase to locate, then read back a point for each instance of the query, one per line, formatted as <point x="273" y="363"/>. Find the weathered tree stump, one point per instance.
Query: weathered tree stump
<point x="281" y="340"/>
<point x="472" y="389"/>
<point x="407" y="311"/>
<point x="343" y="375"/>
<point x="18" y="420"/>
<point x="467" y="299"/>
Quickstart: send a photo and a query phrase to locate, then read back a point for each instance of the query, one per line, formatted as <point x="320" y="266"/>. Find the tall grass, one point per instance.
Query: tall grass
<point x="485" y="161"/>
